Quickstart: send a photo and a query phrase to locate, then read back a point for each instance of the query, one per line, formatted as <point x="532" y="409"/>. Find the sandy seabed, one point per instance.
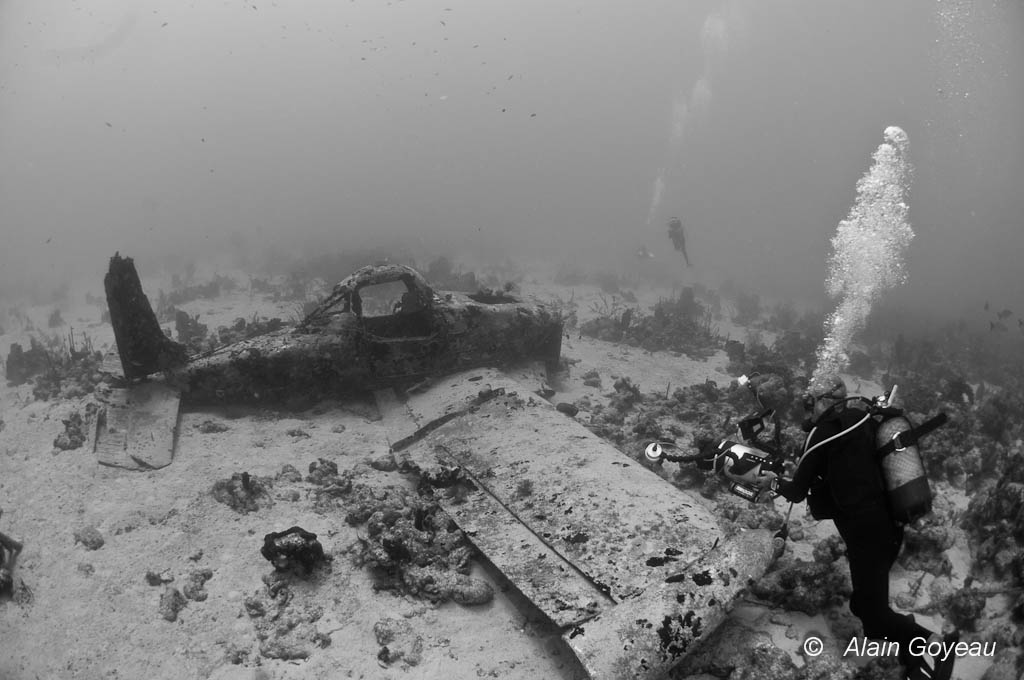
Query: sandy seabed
<point x="91" y="613"/>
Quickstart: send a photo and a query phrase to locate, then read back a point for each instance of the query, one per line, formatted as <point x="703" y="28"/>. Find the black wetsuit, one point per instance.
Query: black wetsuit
<point x="873" y="538"/>
<point x="678" y="237"/>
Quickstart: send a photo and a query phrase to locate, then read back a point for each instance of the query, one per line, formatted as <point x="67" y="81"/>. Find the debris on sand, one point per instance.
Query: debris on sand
<point x="284" y="620"/>
<point x="288" y="473"/>
<point x="322" y="472"/>
<point x="568" y="409"/>
<point x="808" y="587"/>
<point x="195" y="587"/>
<point x="293" y="550"/>
<point x="155" y="579"/>
<point x="331" y="487"/>
<point x="626" y="395"/>
<point x="398" y="642"/>
<point x="171" y="602"/>
<point x="73" y="435"/>
<point x="965" y="607"/>
<point x="412" y="545"/>
<point x="90" y="537"/>
<point x="243" y="493"/>
<point x="383" y="462"/>
<point x="212" y="426"/>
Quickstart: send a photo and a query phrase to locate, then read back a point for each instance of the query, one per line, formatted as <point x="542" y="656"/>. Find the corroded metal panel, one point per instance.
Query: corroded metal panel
<point x="549" y="581"/>
<point x="636" y="571"/>
<point x="645" y="636"/>
<point x="136" y="429"/>
<point x="449" y="396"/>
<point x="620" y="525"/>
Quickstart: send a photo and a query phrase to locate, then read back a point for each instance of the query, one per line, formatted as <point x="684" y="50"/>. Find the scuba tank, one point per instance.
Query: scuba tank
<point x="902" y="466"/>
<point x="910" y="496"/>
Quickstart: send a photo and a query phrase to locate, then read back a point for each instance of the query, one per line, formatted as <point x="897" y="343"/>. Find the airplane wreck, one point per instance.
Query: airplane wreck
<point x="634" y="571"/>
<point x="340" y="347"/>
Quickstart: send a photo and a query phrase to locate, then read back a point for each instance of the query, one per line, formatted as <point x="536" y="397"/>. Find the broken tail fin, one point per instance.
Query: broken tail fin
<point x="141" y="344"/>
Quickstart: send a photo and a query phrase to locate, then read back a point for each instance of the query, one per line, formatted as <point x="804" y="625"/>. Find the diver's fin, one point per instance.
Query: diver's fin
<point x="142" y="345"/>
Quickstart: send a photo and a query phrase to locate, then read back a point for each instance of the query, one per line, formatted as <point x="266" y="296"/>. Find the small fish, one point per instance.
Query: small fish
<point x="108" y="125"/>
<point x="986" y="305"/>
<point x="1005" y="314"/>
<point x="996" y="326"/>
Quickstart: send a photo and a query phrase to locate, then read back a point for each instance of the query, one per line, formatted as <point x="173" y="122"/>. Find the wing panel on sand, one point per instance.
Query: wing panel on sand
<point x="619" y="524"/>
<point x="551" y="582"/>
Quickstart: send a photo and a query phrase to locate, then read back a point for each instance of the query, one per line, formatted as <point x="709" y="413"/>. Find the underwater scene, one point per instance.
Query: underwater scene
<point x="585" y="340"/>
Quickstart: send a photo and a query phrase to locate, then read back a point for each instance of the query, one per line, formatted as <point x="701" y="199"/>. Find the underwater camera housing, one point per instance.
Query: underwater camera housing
<point x="743" y="464"/>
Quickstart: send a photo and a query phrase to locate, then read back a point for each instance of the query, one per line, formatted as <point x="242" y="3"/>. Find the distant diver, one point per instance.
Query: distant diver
<point x="678" y="236"/>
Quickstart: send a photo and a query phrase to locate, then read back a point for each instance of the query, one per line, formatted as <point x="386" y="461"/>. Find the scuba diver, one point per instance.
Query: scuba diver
<point x="678" y="237"/>
<point x="840" y="476"/>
